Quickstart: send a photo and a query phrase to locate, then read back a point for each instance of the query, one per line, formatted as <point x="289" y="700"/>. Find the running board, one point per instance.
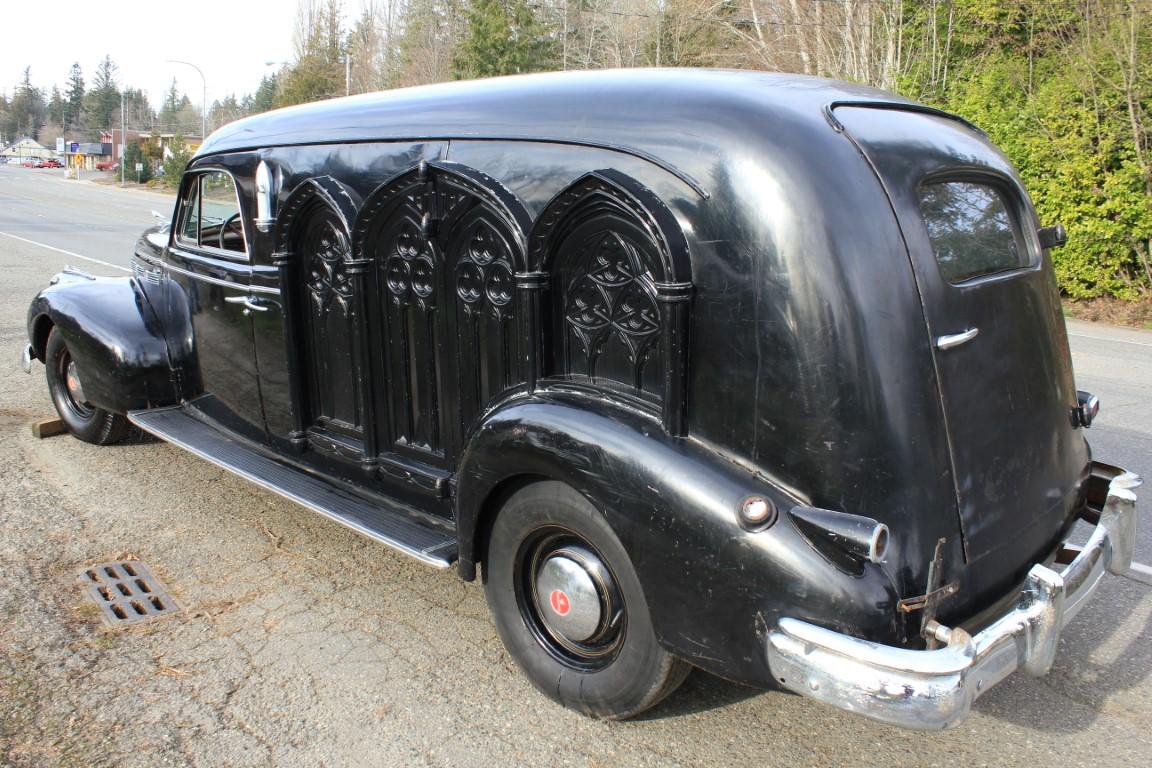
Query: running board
<point x="394" y="525"/>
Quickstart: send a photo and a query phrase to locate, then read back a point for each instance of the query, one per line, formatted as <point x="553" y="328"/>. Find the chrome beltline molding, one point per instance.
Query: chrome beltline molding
<point x="930" y="690"/>
<point x="213" y="280"/>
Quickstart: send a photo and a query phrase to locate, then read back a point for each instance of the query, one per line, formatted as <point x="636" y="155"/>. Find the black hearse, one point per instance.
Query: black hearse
<point x="757" y="373"/>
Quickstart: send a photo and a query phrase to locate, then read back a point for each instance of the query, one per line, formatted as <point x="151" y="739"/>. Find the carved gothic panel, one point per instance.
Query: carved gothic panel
<point x="324" y="251"/>
<point x="485" y="288"/>
<point x="445" y="258"/>
<point x="607" y="318"/>
<point x="410" y="270"/>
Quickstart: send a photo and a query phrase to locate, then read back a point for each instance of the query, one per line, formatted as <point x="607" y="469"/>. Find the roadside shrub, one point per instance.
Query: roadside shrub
<point x="176" y="162"/>
<point x="133" y="157"/>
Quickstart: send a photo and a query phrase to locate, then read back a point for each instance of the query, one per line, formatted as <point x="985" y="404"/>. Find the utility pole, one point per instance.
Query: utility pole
<point x="347" y="74"/>
<point x="123" y="138"/>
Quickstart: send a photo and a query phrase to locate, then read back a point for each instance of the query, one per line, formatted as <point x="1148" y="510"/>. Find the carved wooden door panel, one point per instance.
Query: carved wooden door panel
<point x="333" y="397"/>
<point x="411" y="265"/>
<point x="608" y="322"/>
<point x="481" y="248"/>
<point x="445" y="258"/>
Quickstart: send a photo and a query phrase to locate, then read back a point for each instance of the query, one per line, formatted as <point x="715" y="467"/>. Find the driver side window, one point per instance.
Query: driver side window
<point x="211" y="217"/>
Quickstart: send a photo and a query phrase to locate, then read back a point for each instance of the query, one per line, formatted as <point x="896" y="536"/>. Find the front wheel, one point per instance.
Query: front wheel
<point x="84" y="420"/>
<point x="568" y="606"/>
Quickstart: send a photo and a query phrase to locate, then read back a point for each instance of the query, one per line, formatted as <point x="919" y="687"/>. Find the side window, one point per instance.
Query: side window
<point x="972" y="230"/>
<point x="211" y="215"/>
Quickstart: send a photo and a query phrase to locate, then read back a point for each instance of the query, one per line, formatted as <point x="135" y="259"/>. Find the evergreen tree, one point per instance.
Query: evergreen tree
<point x="265" y="97"/>
<point x="225" y="111"/>
<point x="319" y="69"/>
<point x="74" y="96"/>
<point x="505" y="37"/>
<point x="57" y="107"/>
<point x="102" y="104"/>
<point x="177" y="115"/>
<point x="26" y="112"/>
<point x="4" y="135"/>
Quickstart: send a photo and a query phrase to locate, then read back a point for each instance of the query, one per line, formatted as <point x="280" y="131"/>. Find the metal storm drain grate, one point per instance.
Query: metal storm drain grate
<point x="127" y="592"/>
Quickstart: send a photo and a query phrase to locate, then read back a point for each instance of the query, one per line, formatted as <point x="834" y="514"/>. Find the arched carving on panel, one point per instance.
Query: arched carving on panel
<point x="610" y="191"/>
<point x="341" y="199"/>
<point x="313" y="250"/>
<point x="392" y="234"/>
<point x="613" y="298"/>
<point x="448" y="242"/>
<point x="617" y="266"/>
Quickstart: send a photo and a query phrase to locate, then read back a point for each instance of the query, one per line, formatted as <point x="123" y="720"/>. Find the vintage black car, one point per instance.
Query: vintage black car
<point x="762" y="374"/>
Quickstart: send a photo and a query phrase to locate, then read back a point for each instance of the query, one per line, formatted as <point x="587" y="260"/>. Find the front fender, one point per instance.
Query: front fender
<point x="713" y="588"/>
<point x="113" y="336"/>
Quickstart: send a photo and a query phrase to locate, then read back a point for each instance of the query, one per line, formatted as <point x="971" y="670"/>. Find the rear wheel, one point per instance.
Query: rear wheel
<point x="84" y="420"/>
<point x="569" y="607"/>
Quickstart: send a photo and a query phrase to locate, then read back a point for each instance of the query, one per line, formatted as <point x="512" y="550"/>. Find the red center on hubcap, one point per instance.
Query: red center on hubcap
<point x="559" y="602"/>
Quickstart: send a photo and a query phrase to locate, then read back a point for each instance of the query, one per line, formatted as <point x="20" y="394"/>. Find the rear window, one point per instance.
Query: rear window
<point x="971" y="230"/>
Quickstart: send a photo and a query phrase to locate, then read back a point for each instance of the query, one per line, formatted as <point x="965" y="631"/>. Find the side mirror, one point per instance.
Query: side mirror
<point x="1052" y="237"/>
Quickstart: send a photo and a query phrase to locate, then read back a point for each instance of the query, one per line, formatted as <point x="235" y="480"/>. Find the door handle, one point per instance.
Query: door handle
<point x="249" y="302"/>
<point x="956" y="339"/>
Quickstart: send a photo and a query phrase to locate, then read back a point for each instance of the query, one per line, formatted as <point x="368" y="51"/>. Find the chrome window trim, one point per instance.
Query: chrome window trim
<point x="244" y="258"/>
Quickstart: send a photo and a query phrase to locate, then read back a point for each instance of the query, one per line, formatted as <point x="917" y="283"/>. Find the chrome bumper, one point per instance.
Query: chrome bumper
<point x="930" y="690"/>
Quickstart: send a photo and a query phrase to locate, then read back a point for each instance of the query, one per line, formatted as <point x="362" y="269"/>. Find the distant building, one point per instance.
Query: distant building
<point x="166" y="140"/>
<point x="26" y="147"/>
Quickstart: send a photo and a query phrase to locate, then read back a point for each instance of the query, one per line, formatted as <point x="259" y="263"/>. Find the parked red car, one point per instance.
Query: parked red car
<point x="29" y="163"/>
<point x="50" y="163"/>
<point x="108" y="165"/>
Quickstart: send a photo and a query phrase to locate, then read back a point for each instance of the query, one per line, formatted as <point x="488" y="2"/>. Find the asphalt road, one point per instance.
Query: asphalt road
<point x="303" y="644"/>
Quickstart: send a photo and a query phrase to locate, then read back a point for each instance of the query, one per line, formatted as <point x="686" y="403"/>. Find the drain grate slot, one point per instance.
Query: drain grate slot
<point x="126" y="592"/>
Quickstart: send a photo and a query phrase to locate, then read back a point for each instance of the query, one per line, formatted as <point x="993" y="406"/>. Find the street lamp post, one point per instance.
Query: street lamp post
<point x="203" y="98"/>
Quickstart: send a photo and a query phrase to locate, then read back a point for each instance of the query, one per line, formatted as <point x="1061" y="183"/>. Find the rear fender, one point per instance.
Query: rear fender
<point x="112" y="334"/>
<point x="712" y="587"/>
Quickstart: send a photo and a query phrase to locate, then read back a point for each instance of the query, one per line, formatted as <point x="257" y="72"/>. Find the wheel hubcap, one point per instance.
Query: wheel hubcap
<point x="571" y="600"/>
<point x="567" y="598"/>
<point x="72" y="381"/>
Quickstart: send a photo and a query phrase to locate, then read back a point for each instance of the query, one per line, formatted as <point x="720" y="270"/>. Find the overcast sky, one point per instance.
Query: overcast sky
<point x="230" y="40"/>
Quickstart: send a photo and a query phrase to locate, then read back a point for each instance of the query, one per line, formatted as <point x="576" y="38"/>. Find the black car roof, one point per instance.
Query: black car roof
<point x="643" y="110"/>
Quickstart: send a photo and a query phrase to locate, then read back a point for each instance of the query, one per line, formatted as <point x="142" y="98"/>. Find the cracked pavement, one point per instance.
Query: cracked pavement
<point x="301" y="644"/>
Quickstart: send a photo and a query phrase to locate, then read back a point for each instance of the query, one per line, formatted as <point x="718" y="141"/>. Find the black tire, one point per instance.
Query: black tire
<point x="85" y="421"/>
<point x="617" y="672"/>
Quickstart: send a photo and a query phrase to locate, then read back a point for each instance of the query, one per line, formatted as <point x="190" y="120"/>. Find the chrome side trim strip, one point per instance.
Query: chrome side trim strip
<point x="218" y="281"/>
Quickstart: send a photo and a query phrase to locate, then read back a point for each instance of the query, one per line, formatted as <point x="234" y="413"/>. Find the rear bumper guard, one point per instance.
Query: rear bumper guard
<point x="930" y="690"/>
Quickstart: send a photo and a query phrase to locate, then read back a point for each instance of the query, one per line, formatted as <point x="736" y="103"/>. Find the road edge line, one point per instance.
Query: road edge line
<point x="67" y="253"/>
<point x="1140" y="572"/>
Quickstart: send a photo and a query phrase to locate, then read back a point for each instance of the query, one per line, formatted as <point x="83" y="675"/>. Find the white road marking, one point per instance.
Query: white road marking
<point x="1141" y="573"/>
<point x="66" y="253"/>
<point x="1105" y="338"/>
